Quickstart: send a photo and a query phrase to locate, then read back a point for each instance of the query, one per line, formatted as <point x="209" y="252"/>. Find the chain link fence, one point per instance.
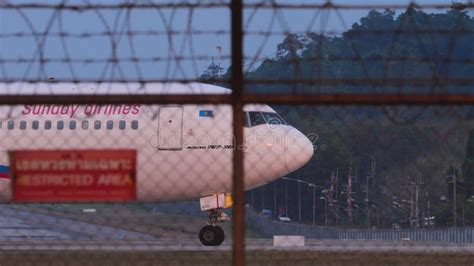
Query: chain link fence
<point x="339" y="120"/>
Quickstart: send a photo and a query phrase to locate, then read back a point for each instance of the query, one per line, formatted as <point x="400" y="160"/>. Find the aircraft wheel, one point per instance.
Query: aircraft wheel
<point x="220" y="235"/>
<point x="211" y="235"/>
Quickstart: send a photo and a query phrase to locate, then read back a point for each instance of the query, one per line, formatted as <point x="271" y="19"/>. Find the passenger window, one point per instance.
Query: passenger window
<point x="96" y="124"/>
<point x="72" y="124"/>
<point x="35" y="124"/>
<point x="0" y="124"/>
<point x="60" y="124"/>
<point x="135" y="124"/>
<point x="22" y="125"/>
<point x="110" y="124"/>
<point x="47" y="124"/>
<point x="11" y="125"/>
<point x="122" y="124"/>
<point x="256" y="118"/>
<point x="85" y="124"/>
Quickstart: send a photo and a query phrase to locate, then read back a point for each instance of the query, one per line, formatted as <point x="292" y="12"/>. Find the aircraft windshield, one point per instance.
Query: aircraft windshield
<point x="274" y="119"/>
<point x="256" y="119"/>
<point x="252" y="119"/>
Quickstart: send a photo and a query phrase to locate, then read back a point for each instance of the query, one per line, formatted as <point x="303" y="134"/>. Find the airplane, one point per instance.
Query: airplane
<point x="183" y="151"/>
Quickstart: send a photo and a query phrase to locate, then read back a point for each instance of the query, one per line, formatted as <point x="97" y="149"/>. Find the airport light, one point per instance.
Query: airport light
<point x="299" y="195"/>
<point x="299" y="181"/>
<point x="275" y="198"/>
<point x="314" y="202"/>
<point x="286" y="198"/>
<point x="299" y="200"/>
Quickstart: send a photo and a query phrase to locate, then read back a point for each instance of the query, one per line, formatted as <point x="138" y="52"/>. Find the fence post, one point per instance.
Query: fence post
<point x="238" y="251"/>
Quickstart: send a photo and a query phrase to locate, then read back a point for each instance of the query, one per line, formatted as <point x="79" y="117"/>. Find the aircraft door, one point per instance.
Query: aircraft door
<point x="170" y="128"/>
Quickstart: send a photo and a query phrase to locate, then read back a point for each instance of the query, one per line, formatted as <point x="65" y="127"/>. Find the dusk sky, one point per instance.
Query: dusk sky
<point x="158" y="50"/>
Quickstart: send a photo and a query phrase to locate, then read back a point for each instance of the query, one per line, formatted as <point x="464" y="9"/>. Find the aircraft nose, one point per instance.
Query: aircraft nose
<point x="298" y="150"/>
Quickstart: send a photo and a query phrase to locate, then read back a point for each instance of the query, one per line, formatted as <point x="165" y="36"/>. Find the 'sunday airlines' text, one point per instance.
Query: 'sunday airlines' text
<point x="72" y="110"/>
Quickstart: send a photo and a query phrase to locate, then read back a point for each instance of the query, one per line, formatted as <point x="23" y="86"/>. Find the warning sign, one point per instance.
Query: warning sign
<point x="73" y="175"/>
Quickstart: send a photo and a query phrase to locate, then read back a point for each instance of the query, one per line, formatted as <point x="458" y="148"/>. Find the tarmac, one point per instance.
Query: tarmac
<point x="24" y="230"/>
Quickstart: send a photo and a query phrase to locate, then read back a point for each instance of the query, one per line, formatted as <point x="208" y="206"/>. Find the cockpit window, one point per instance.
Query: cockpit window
<point x="256" y="118"/>
<point x="274" y="119"/>
<point x="246" y="119"/>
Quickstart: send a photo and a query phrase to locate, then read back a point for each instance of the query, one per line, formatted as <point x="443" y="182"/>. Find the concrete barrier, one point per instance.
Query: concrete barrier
<point x="288" y="241"/>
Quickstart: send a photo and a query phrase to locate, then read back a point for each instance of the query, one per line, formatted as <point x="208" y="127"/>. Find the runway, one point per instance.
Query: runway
<point x="32" y="238"/>
<point x="25" y="230"/>
<point x="23" y="225"/>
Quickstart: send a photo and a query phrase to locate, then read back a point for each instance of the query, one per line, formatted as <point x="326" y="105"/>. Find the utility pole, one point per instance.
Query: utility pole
<point x="416" y="186"/>
<point x="416" y="205"/>
<point x="455" y="218"/>
<point x="428" y="207"/>
<point x="275" y="198"/>
<point x="337" y="197"/>
<point x="331" y="192"/>
<point x="355" y="186"/>
<point x="454" y="182"/>
<point x="286" y="198"/>
<point x="326" y="209"/>
<point x="411" y="201"/>
<point x="349" y="196"/>
<point x="314" y="205"/>
<point x="369" y="175"/>
<point x="219" y="51"/>
<point x="367" y="207"/>
<point x="373" y="167"/>
<point x="299" y="201"/>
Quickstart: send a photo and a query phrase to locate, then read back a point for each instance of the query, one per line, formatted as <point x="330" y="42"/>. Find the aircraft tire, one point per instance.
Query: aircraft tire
<point x="211" y="235"/>
<point x="220" y="235"/>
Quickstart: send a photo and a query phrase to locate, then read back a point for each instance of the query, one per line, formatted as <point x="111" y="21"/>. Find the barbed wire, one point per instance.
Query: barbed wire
<point x="147" y="43"/>
<point x="208" y="4"/>
<point x="181" y="60"/>
<point x="123" y="5"/>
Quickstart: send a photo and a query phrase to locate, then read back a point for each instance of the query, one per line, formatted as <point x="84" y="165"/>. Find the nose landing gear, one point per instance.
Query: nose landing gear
<point x="212" y="234"/>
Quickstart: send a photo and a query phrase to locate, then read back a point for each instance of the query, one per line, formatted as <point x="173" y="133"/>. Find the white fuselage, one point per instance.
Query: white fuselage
<point x="183" y="151"/>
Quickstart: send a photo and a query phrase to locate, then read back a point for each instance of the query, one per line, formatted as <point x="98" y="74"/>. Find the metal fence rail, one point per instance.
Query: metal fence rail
<point x="271" y="227"/>
<point x="453" y="235"/>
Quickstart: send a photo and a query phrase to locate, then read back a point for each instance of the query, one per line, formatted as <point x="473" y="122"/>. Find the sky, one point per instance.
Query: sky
<point x="160" y="56"/>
